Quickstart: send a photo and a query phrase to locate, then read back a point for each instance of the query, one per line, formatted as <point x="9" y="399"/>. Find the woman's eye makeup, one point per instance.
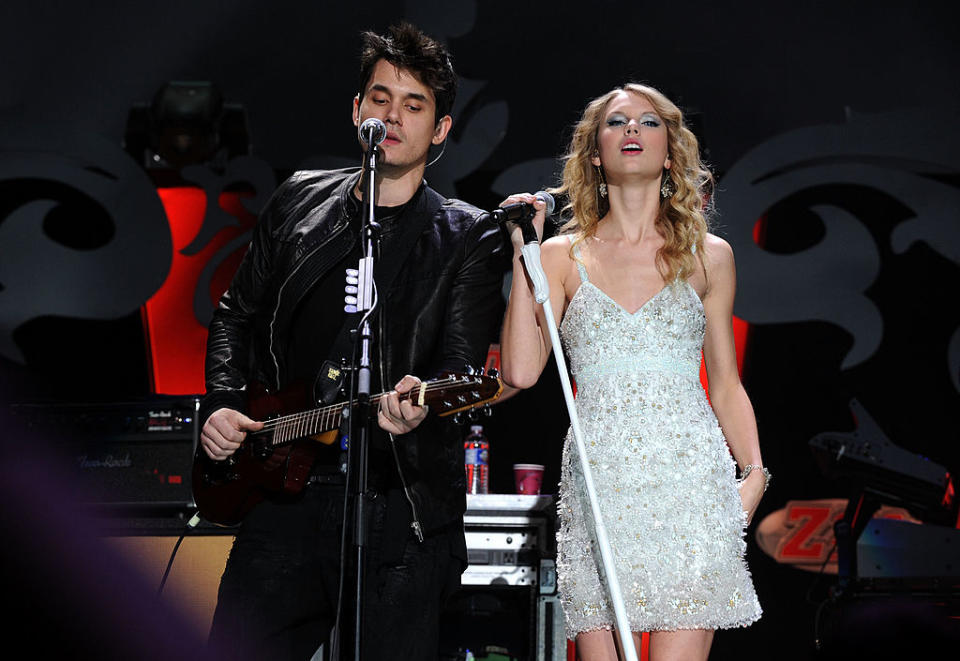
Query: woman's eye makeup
<point x="646" y="120"/>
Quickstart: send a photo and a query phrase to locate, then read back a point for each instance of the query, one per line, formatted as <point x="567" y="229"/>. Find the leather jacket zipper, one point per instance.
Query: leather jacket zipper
<point x="304" y="260"/>
<point x="415" y="524"/>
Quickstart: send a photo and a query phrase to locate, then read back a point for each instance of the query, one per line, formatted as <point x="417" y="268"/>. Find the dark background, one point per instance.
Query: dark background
<point x="800" y="109"/>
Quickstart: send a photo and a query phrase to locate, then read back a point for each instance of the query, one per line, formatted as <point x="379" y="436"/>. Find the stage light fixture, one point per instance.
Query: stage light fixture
<point x="186" y="123"/>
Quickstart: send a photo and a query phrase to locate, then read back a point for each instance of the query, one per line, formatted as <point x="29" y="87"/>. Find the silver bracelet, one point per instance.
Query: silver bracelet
<point x="749" y="468"/>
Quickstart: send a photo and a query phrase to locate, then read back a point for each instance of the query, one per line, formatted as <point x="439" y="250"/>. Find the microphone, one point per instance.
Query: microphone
<point x="372" y="131"/>
<point x="521" y="210"/>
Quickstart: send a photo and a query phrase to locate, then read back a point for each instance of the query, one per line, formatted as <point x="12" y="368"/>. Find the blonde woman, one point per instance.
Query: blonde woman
<point x="639" y="287"/>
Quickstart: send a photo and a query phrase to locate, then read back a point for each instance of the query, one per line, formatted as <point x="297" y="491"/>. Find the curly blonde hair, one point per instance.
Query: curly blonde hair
<point x="682" y="217"/>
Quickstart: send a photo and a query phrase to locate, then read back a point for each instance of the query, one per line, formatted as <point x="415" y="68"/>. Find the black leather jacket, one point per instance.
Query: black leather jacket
<point x="442" y="311"/>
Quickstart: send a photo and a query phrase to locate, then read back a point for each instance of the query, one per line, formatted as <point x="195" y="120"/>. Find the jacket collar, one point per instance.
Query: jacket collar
<point x="347" y="201"/>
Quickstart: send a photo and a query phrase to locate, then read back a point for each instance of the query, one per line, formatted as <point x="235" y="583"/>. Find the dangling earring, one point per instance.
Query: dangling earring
<point x="603" y="205"/>
<point x="666" y="185"/>
<point x="602" y="185"/>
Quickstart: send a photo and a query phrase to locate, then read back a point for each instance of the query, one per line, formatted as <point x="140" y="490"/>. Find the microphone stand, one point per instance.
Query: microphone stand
<point x="541" y="289"/>
<point x="360" y="423"/>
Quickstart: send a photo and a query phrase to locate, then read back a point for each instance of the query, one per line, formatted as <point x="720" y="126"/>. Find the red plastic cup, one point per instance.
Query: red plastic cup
<point x="528" y="478"/>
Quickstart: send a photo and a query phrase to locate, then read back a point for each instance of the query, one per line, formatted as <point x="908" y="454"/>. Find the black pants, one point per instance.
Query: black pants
<point x="278" y="594"/>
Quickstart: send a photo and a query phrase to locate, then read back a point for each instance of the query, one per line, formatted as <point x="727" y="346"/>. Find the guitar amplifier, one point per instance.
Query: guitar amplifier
<point x="129" y="456"/>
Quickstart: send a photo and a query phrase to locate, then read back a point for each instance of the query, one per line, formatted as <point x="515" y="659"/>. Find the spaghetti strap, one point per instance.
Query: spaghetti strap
<point x="580" y="267"/>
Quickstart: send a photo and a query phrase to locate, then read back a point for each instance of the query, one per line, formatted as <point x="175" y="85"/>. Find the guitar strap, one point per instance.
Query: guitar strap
<point x="412" y="222"/>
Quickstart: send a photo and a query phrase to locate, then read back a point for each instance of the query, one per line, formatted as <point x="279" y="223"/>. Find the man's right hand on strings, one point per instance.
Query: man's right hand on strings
<point x="224" y="431"/>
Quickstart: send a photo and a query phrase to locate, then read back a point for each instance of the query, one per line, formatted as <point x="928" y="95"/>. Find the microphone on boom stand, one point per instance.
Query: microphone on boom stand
<point x="372" y="131"/>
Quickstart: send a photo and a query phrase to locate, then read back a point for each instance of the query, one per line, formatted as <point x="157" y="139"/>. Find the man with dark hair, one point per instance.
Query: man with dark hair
<point x="408" y="48"/>
<point x="438" y="282"/>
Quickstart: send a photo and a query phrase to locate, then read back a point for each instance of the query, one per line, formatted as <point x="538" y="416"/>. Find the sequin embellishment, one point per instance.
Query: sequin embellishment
<point x="665" y="479"/>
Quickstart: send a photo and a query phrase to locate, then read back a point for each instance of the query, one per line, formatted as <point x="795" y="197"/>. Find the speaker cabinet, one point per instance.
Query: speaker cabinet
<point x="194" y="578"/>
<point x="124" y="455"/>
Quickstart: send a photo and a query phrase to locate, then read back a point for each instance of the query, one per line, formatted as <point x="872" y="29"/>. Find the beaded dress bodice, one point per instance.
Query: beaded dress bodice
<point x="602" y="339"/>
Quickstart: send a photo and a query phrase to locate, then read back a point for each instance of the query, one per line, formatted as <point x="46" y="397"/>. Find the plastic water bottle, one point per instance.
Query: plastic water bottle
<point x="476" y="452"/>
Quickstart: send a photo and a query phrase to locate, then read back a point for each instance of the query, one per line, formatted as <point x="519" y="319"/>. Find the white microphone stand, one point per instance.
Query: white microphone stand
<point x="541" y="292"/>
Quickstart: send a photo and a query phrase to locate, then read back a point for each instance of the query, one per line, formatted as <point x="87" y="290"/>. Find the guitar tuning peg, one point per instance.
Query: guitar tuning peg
<point x="470" y="370"/>
<point x="494" y="372"/>
<point x="458" y="418"/>
<point x="473" y="415"/>
<point x="487" y="411"/>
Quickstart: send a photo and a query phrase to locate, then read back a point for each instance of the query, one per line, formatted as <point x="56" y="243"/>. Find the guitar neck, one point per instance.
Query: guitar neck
<point x="445" y="396"/>
<point x="315" y="421"/>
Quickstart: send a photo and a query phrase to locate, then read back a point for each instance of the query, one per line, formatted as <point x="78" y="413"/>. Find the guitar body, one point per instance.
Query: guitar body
<point x="226" y="490"/>
<point x="277" y="459"/>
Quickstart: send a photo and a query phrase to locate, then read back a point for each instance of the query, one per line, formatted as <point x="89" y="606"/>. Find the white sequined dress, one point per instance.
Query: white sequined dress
<point x="664" y="477"/>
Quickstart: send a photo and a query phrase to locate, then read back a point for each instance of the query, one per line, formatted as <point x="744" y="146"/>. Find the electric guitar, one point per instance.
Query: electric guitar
<point x="278" y="458"/>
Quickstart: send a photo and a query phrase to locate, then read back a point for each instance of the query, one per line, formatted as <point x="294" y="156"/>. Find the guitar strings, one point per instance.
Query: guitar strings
<point x="335" y="409"/>
<point x="296" y="422"/>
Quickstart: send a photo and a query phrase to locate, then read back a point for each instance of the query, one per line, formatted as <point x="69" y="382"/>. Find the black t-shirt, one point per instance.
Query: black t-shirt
<point x="320" y="314"/>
